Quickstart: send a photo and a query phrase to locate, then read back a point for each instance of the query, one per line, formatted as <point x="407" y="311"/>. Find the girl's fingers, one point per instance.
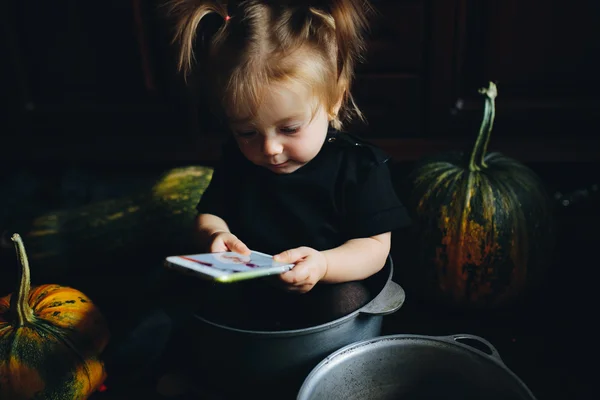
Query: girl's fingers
<point x="293" y="255"/>
<point x="296" y="276"/>
<point x="218" y="246"/>
<point x="239" y="247"/>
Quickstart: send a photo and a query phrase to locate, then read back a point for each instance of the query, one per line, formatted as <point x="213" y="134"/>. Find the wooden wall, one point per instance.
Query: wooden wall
<point x="102" y="73"/>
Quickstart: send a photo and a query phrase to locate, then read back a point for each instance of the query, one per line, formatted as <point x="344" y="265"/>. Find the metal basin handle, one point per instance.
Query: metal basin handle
<point x="467" y="340"/>
<point x="388" y="301"/>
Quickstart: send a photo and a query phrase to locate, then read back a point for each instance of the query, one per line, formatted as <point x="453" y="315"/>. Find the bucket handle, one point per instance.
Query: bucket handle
<point x="475" y="343"/>
<point x="388" y="301"/>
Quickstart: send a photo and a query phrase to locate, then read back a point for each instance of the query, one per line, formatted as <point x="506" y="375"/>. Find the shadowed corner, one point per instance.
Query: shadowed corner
<point x="133" y="356"/>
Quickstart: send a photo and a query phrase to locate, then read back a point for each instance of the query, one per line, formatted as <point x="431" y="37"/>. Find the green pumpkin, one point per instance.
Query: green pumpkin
<point x="80" y="247"/>
<point x="483" y="225"/>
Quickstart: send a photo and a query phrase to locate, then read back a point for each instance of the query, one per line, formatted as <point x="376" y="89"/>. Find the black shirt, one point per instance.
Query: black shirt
<point x="345" y="192"/>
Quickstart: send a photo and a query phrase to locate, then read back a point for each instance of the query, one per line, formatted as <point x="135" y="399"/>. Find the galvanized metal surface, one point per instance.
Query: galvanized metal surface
<point x="411" y="367"/>
<point x="260" y="358"/>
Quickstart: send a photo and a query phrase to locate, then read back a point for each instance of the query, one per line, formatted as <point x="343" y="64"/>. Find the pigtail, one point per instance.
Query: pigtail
<point x="188" y="14"/>
<point x="350" y="18"/>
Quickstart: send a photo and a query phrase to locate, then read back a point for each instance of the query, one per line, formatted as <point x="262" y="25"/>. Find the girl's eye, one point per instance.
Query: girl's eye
<point x="290" y="130"/>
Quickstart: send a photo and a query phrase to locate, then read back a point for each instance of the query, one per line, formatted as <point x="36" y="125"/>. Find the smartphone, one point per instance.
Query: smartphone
<point x="226" y="267"/>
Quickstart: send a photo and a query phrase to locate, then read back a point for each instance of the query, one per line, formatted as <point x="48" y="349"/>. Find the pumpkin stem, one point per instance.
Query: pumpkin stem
<point x="19" y="302"/>
<point x="477" y="161"/>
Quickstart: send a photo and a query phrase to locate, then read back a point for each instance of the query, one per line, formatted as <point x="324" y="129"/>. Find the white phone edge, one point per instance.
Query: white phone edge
<point x="181" y="263"/>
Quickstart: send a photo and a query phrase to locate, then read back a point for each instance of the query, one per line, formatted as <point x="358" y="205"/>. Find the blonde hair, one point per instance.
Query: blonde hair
<point x="261" y="42"/>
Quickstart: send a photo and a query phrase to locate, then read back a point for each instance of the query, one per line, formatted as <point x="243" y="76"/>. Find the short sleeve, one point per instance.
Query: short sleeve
<point x="371" y="204"/>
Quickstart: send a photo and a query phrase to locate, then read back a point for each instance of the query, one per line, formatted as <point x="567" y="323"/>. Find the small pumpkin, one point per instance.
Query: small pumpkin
<point x="51" y="338"/>
<point x="483" y="224"/>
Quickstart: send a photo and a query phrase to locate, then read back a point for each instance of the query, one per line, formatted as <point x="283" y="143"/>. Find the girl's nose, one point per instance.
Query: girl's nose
<point x="272" y="147"/>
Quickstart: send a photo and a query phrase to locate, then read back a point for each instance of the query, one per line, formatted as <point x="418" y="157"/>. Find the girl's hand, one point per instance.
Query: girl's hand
<point x="227" y="241"/>
<point x="310" y="268"/>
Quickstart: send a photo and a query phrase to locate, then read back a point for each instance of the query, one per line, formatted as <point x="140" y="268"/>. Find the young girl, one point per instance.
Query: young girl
<point x="290" y="182"/>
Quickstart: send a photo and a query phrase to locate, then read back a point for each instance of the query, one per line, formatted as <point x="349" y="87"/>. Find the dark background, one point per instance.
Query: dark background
<point x="103" y="71"/>
<point x="92" y="106"/>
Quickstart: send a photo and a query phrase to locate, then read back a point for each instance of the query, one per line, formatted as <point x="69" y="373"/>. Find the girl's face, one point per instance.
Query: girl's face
<point x="284" y="136"/>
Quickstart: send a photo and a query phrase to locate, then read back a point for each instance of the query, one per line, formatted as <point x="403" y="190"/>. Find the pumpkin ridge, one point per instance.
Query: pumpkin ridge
<point x="459" y="250"/>
<point x="520" y="242"/>
<point x="68" y="362"/>
<point x="446" y="178"/>
<point x="40" y="296"/>
<point x="46" y="327"/>
<point x="486" y="217"/>
<point x="451" y="184"/>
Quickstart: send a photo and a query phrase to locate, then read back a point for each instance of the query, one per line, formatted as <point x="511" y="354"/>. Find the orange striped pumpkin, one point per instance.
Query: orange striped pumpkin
<point x="484" y="224"/>
<point x="51" y="338"/>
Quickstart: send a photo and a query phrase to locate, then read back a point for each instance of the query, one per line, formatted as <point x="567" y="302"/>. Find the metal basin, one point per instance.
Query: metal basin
<point x="414" y="367"/>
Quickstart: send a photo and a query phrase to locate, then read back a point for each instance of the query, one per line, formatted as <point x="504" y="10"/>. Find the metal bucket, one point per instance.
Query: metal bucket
<point x="280" y="360"/>
<point x="414" y="367"/>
